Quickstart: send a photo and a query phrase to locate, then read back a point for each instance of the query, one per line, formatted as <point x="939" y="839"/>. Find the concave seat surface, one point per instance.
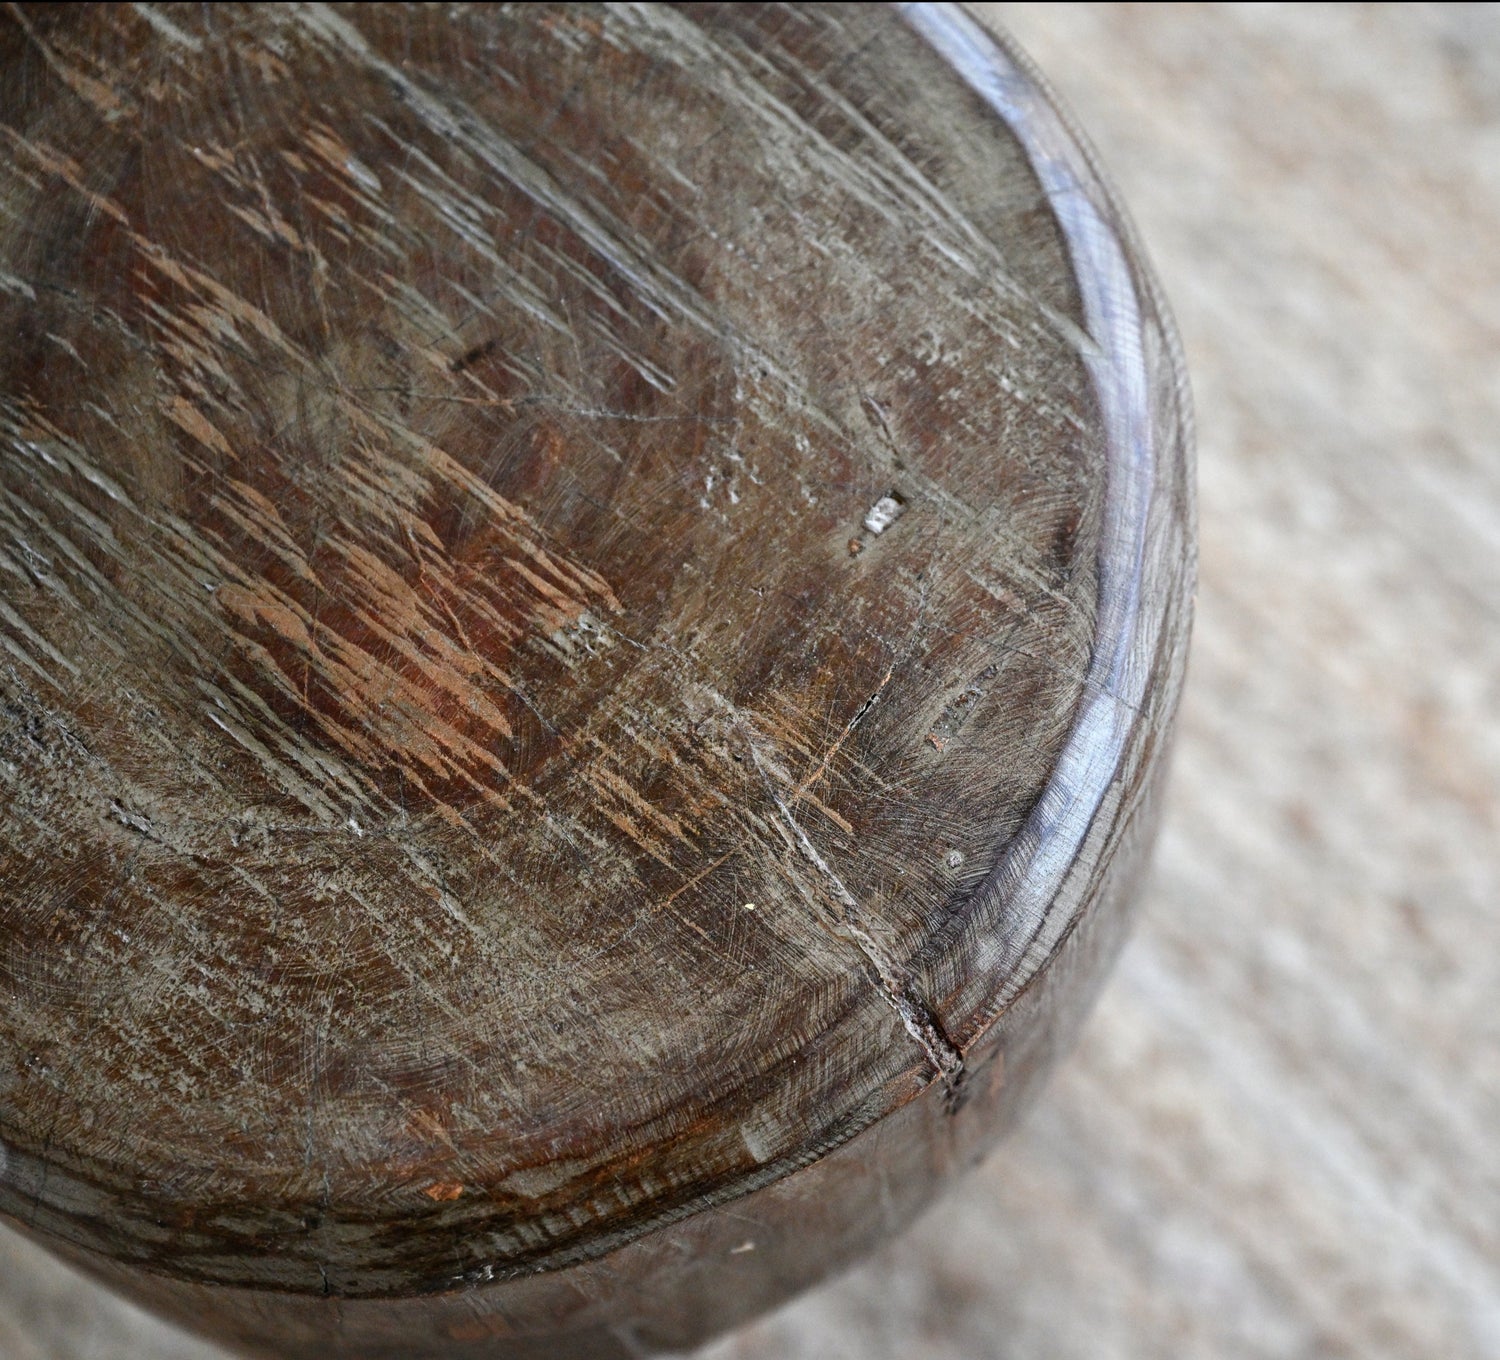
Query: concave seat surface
<point x="548" y="557"/>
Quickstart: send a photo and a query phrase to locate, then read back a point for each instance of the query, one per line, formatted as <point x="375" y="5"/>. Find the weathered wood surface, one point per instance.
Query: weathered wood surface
<point x="591" y="602"/>
<point x="1278" y="1138"/>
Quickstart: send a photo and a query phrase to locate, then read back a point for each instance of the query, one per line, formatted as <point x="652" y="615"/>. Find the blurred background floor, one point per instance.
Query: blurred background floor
<point x="1281" y="1134"/>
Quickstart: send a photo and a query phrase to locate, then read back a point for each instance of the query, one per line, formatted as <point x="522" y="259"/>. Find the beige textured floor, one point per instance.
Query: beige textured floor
<point x="1281" y="1137"/>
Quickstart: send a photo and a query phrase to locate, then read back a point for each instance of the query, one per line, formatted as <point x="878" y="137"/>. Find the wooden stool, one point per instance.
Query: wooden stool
<point x="590" y="604"/>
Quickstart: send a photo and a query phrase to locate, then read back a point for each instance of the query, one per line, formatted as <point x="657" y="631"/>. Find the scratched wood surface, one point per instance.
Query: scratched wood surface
<point x="519" y="729"/>
<point x="1278" y="1138"/>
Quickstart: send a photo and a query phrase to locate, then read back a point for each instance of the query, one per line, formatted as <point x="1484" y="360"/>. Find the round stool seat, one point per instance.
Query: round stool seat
<point x="590" y="600"/>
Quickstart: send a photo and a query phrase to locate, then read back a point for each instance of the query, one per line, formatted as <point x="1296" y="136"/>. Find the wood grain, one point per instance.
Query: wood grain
<point x="1277" y="1139"/>
<point x="594" y="596"/>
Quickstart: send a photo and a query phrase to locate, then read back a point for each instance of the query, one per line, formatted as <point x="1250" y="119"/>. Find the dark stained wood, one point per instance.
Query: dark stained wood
<point x="589" y="603"/>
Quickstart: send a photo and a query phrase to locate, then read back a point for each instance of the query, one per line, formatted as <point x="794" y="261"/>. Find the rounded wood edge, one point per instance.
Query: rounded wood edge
<point x="1028" y="907"/>
<point x="1031" y="926"/>
<point x="678" y="1286"/>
